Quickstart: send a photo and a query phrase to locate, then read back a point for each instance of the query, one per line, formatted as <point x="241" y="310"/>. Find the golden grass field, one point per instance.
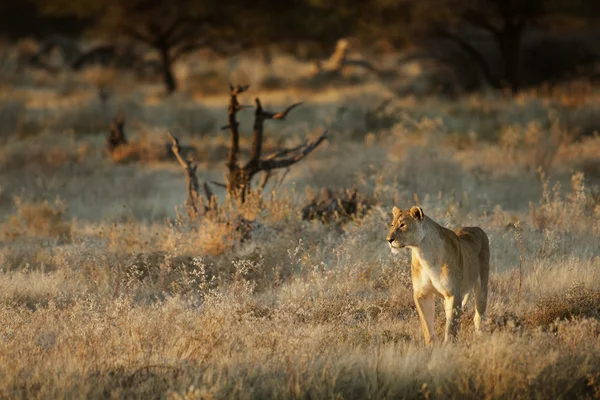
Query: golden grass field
<point x="106" y="293"/>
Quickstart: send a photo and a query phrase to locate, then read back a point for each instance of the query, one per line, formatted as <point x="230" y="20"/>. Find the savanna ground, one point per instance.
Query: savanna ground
<point x="107" y="291"/>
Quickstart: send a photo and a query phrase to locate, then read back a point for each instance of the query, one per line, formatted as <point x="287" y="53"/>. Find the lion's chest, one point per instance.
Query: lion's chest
<point x="432" y="273"/>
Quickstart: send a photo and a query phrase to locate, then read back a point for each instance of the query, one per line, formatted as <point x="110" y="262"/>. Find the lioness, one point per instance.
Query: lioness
<point x="444" y="263"/>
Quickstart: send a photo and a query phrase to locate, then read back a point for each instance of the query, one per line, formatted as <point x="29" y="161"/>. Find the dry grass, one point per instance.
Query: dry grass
<point x="115" y="296"/>
<point x="37" y="219"/>
<point x="577" y="302"/>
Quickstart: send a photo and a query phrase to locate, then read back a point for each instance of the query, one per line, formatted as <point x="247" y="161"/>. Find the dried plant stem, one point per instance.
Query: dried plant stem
<point x="519" y="237"/>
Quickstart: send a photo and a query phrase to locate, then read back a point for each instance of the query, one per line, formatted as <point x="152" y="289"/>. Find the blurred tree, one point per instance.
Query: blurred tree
<point x="172" y="28"/>
<point x="505" y="20"/>
<point x="177" y="27"/>
<point x="367" y="20"/>
<point x="22" y="18"/>
<point x="384" y="19"/>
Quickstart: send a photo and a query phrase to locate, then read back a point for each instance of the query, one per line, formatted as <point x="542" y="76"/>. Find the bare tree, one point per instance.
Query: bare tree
<point x="239" y="177"/>
<point x="172" y="28"/>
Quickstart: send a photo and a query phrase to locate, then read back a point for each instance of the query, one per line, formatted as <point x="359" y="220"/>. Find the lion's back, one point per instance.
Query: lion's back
<point x="474" y="243"/>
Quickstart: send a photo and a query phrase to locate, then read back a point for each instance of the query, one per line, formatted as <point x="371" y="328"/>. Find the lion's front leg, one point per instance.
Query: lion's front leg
<point x="426" y="308"/>
<point x="453" y="307"/>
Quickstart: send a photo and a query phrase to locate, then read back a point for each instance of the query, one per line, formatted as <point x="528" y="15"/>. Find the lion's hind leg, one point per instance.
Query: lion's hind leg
<point x="481" y="286"/>
<point x="465" y="300"/>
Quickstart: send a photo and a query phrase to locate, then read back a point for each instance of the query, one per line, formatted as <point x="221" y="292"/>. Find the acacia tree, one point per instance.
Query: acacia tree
<point x="172" y="28"/>
<point x="505" y="20"/>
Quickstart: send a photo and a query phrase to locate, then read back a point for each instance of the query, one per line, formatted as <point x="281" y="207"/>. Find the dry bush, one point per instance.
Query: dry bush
<point x="558" y="211"/>
<point x="37" y="219"/>
<point x="577" y="302"/>
<point x="534" y="145"/>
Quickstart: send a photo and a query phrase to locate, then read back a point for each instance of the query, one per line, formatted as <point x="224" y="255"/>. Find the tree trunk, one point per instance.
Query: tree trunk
<point x="238" y="183"/>
<point x="167" y="69"/>
<point x="474" y="54"/>
<point x="510" y="45"/>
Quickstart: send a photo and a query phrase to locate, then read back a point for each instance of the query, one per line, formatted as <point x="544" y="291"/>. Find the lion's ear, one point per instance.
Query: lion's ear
<point x="396" y="211"/>
<point x="417" y="213"/>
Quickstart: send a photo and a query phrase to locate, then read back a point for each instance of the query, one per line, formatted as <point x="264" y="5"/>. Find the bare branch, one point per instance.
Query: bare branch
<point x="266" y="177"/>
<point x="175" y="149"/>
<point x="472" y="51"/>
<point x="219" y="184"/>
<point x="360" y="63"/>
<point x="240" y="107"/>
<point x="129" y="31"/>
<point x="257" y="132"/>
<point x="480" y="21"/>
<point x="285" y="152"/>
<point x="339" y="60"/>
<point x="190" y="175"/>
<point x="171" y="28"/>
<point x="282" y="178"/>
<point x="273" y="162"/>
<point x="238" y="89"/>
<point x="260" y="116"/>
<point x="234" y="107"/>
<point x="209" y="194"/>
<point x="239" y="178"/>
<point x="284" y="113"/>
<point x="186" y="48"/>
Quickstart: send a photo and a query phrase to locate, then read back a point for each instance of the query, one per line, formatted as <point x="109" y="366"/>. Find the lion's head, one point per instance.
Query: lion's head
<point x="407" y="228"/>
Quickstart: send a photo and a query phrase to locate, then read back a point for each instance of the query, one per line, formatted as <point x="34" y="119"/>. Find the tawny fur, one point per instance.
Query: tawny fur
<point x="444" y="263"/>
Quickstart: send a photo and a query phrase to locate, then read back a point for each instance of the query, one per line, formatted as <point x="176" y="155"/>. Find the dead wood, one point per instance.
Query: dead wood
<point x="335" y="64"/>
<point x="194" y="202"/>
<point x="239" y="177"/>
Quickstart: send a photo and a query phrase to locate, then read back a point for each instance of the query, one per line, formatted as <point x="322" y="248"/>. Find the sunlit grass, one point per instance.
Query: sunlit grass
<point x="105" y="292"/>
